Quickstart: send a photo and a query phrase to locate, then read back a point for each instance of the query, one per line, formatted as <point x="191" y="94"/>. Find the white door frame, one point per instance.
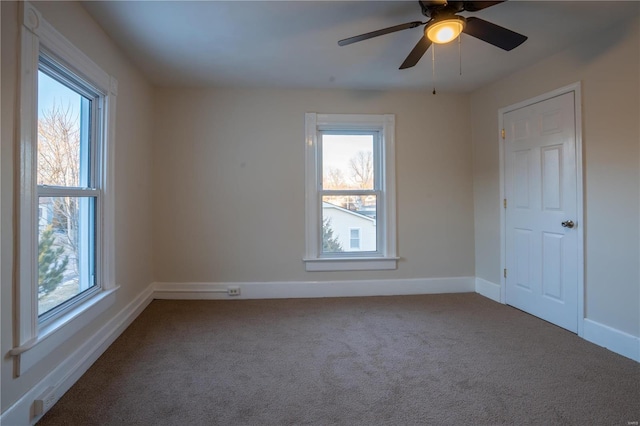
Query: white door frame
<point x="576" y="89"/>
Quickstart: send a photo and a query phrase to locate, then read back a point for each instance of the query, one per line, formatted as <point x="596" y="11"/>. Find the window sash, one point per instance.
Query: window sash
<point x="378" y="169"/>
<point x="87" y="253"/>
<point x="380" y="236"/>
<point x="376" y="191"/>
<point x="63" y="191"/>
<point x="92" y="128"/>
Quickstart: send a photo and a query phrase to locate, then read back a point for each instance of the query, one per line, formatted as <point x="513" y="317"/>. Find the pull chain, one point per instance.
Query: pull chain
<point x="433" y="67"/>
<point x="460" y="51"/>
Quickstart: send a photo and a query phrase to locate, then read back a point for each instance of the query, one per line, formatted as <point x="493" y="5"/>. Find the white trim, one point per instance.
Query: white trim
<point x="313" y="289"/>
<point x="577" y="91"/>
<point x="1" y="226"/>
<point x="503" y="218"/>
<point x="351" y="263"/>
<point x="61" y="330"/>
<point x="108" y="246"/>
<point x="488" y="289"/>
<point x="73" y="367"/>
<point x="386" y="257"/>
<point x="36" y="34"/>
<point x="312" y="213"/>
<point x="26" y="295"/>
<point x="615" y="340"/>
<point x="52" y="40"/>
<point x="351" y="121"/>
<point x="389" y="207"/>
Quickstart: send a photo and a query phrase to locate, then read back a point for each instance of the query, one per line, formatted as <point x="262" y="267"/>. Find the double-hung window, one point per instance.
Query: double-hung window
<point x="350" y="192"/>
<point x="65" y="202"/>
<point x="67" y="169"/>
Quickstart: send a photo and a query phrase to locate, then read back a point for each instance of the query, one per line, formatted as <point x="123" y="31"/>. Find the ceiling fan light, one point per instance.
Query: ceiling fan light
<point x="445" y="30"/>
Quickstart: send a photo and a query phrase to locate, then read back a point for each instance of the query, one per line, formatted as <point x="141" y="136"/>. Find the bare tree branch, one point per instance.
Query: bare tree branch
<point x="334" y="179"/>
<point x="59" y="165"/>
<point x="361" y="166"/>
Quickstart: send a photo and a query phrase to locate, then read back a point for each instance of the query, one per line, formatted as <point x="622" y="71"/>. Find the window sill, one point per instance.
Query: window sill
<point x="351" y="264"/>
<point x="62" y="329"/>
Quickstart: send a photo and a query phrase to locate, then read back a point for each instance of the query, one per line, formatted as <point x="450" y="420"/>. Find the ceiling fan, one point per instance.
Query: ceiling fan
<point x="444" y="25"/>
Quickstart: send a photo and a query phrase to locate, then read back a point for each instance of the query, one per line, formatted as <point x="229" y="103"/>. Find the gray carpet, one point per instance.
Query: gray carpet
<point x="413" y="360"/>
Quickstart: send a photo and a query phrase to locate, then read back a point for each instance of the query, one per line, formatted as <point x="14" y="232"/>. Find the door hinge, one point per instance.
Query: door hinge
<point x="503" y="133"/>
<point x="505" y="272"/>
<point x="504" y="203"/>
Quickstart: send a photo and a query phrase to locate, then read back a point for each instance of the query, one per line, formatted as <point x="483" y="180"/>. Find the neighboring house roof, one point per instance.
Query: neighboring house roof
<point x="359" y="215"/>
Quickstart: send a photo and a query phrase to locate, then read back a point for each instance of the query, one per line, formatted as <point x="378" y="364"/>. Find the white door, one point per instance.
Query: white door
<point x="541" y="210"/>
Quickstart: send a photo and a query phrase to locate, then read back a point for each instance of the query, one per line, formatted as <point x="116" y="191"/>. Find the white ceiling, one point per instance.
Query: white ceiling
<point x="294" y="43"/>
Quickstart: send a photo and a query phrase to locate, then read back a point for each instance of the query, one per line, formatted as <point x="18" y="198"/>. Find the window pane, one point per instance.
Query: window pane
<point x="66" y="249"/>
<point x="349" y="223"/>
<point x="63" y="134"/>
<point x="347" y="161"/>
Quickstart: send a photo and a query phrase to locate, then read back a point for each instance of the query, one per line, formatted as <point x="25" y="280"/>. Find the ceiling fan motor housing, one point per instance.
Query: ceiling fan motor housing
<point x="435" y="9"/>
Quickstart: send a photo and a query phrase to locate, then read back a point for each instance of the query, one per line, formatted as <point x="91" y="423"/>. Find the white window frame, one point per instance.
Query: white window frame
<point x="386" y="256"/>
<point x="34" y="339"/>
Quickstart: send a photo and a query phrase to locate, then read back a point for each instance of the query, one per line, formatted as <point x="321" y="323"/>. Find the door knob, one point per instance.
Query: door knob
<point x="568" y="224"/>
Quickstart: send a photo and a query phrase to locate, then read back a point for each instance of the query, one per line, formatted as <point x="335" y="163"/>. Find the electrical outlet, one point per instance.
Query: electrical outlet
<point x="233" y="291"/>
<point x="44" y="401"/>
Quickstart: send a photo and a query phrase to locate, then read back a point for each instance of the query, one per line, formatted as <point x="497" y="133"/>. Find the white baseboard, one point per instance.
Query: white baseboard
<point x="613" y="339"/>
<point x="72" y="368"/>
<point x="488" y="289"/>
<point x="602" y="335"/>
<point x="313" y="289"/>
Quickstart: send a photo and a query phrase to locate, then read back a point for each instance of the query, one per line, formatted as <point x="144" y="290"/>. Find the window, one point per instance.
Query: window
<point x="65" y="247"/>
<point x="354" y="238"/>
<point x="66" y="162"/>
<point x="350" y="185"/>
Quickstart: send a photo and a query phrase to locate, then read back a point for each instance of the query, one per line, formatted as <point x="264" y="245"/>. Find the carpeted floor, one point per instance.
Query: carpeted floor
<point x="456" y="359"/>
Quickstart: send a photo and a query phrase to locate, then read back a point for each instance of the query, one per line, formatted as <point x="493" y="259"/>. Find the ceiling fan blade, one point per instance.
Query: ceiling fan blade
<point x="474" y="6"/>
<point x="417" y="53"/>
<point x="493" y="34"/>
<point x="380" y="32"/>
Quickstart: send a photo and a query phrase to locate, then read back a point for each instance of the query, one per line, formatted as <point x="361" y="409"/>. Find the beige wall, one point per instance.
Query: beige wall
<point x="608" y="67"/>
<point x="133" y="177"/>
<point x="229" y="183"/>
